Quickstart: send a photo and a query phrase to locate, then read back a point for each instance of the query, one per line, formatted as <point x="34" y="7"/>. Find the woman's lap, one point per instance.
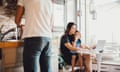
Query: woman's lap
<point x="85" y="59"/>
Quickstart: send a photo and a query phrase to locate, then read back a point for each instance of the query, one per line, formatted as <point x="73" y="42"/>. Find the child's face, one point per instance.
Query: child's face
<point x="78" y="35"/>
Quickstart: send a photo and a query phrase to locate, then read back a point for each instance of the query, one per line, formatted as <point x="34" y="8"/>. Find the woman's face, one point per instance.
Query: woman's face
<point x="72" y="30"/>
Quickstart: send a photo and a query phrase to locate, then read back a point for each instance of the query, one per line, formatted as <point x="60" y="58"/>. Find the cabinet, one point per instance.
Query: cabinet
<point x="9" y="55"/>
<point x="8" y="59"/>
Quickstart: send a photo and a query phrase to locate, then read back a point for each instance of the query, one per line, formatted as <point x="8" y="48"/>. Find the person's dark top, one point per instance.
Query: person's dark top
<point x="66" y="53"/>
<point x="65" y="39"/>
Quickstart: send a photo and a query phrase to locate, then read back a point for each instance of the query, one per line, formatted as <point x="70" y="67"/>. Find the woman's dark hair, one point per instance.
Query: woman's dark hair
<point x="70" y="24"/>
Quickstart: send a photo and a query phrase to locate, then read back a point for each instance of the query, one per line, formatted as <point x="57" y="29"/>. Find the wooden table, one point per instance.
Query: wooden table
<point x="9" y="50"/>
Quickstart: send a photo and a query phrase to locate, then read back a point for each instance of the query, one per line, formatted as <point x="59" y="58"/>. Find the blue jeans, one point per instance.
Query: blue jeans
<point x="37" y="51"/>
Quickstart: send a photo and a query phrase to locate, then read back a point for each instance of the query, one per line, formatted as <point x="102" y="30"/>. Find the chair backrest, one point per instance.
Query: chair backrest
<point x="100" y="45"/>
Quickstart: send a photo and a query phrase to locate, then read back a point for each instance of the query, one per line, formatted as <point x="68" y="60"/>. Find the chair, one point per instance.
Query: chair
<point x="64" y="66"/>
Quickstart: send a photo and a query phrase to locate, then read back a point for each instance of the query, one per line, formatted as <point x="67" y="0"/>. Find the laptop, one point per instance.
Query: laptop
<point x="100" y="45"/>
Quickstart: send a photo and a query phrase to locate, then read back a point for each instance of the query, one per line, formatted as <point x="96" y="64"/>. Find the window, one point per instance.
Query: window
<point x="58" y="17"/>
<point x="102" y="23"/>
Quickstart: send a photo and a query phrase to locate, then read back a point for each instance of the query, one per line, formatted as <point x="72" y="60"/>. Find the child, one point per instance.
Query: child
<point x="77" y="43"/>
<point x="79" y="56"/>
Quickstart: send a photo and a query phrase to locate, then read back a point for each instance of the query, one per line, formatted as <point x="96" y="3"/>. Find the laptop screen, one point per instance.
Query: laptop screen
<point x="100" y="45"/>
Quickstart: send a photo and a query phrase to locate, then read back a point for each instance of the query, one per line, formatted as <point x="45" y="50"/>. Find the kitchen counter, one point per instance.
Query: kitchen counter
<point x="11" y="54"/>
<point x="11" y="44"/>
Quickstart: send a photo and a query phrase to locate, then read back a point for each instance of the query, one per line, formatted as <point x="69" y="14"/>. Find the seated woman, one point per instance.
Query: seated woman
<point x="67" y="46"/>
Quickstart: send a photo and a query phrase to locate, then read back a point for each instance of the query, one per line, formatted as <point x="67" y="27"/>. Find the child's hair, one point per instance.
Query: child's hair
<point x="74" y="35"/>
<point x="77" y="31"/>
<point x="77" y="34"/>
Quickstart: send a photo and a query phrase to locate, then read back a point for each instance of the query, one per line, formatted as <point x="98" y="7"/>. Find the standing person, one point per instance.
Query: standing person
<point x="37" y="34"/>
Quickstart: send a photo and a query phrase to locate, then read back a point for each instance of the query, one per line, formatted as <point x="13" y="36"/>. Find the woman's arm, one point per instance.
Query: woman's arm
<point x="71" y="47"/>
<point x="74" y="43"/>
<point x="84" y="46"/>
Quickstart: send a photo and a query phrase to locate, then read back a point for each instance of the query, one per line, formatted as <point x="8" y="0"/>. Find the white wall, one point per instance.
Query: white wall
<point x="106" y="25"/>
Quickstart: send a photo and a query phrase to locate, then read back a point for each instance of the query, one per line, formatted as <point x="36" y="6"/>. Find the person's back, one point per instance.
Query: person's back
<point x="37" y="15"/>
